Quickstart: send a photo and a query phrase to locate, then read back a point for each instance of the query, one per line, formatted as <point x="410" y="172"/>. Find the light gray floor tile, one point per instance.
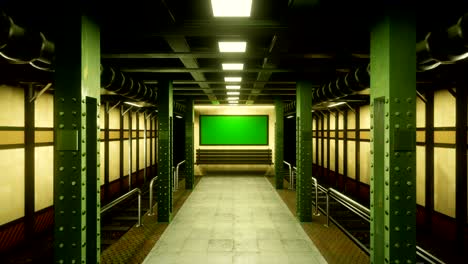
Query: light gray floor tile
<point x="234" y="220"/>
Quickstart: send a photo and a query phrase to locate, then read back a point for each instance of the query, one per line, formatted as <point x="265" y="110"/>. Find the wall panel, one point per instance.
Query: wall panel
<point x="12" y="187"/>
<point x="421" y="175"/>
<point x="44" y="111"/>
<point x="351" y="120"/>
<point x="444" y="109"/>
<point x="420" y="113"/>
<point x="340" y="157"/>
<point x="332" y="154"/>
<point x="141" y="161"/>
<point x="101" y="158"/>
<point x="365" y="163"/>
<point x="351" y="160"/>
<point x="12" y="102"/>
<point x="325" y="144"/>
<point x="114" y="160"/>
<point x="444" y="181"/>
<point x="364" y="117"/>
<point x="114" y="118"/>
<point x="44" y="177"/>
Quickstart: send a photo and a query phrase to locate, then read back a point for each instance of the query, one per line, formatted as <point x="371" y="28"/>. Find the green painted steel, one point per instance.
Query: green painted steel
<point x="77" y="236"/>
<point x="304" y="151"/>
<point x="189" y="143"/>
<point x="165" y="166"/>
<point x="279" y="143"/>
<point x="393" y="148"/>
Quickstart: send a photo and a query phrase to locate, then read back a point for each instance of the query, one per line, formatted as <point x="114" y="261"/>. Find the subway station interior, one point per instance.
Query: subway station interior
<point x="234" y="131"/>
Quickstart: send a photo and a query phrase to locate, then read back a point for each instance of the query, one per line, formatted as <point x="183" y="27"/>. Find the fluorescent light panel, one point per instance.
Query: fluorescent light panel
<point x="133" y="104"/>
<point x="233" y="93"/>
<point x="233" y="66"/>
<point x="232" y="46"/>
<point x="232" y="87"/>
<point x="232" y="79"/>
<point x="336" y="104"/>
<point x="231" y="8"/>
<point x="233" y="98"/>
<point x="233" y="102"/>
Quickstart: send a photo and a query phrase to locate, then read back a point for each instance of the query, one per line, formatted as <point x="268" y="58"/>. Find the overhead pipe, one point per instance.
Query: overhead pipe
<point x="26" y="47"/>
<point x="354" y="81"/>
<point x="23" y="46"/>
<point x="443" y="46"/>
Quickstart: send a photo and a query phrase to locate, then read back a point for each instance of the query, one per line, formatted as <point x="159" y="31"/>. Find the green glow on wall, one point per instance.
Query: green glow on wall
<point x="233" y="129"/>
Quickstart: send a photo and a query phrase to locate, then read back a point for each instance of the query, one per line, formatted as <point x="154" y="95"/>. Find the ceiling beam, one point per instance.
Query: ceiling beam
<point x="179" y="44"/>
<point x="201" y="70"/>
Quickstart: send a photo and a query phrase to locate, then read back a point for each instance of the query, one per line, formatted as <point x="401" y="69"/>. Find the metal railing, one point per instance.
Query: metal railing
<point x="176" y="175"/>
<point x="363" y="212"/>
<point x="121" y="199"/>
<point x="293" y="177"/>
<point x="151" y="195"/>
<point x="290" y="173"/>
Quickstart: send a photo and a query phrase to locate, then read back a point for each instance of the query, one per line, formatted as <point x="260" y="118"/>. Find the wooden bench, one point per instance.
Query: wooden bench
<point x="234" y="156"/>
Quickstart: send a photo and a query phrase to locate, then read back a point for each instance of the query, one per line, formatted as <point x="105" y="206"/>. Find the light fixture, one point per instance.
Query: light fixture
<point x="233" y="93"/>
<point x="233" y="102"/>
<point x="337" y="104"/>
<point x="232" y="87"/>
<point x="232" y="46"/>
<point x="132" y="104"/>
<point x="232" y="79"/>
<point x="289" y="116"/>
<point x="233" y="66"/>
<point x="179" y="116"/>
<point x="233" y="98"/>
<point x="231" y="8"/>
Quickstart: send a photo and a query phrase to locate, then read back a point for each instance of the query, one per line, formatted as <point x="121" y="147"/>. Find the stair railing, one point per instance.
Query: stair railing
<point x="151" y="195"/>
<point x="121" y="199"/>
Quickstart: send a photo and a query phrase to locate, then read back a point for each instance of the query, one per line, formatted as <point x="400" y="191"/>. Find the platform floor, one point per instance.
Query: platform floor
<point x="234" y="220"/>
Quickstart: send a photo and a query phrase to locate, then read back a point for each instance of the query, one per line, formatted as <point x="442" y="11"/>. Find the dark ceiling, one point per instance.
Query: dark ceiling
<point x="316" y="40"/>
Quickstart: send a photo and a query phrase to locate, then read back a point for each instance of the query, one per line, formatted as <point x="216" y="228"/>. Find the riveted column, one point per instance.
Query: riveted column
<point x="76" y="155"/>
<point x="189" y="171"/>
<point x="164" y="193"/>
<point x="393" y="148"/>
<point x="279" y="143"/>
<point x="304" y="150"/>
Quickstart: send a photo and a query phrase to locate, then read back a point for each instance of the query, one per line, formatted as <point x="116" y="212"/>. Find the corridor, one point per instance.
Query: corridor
<point x="236" y="219"/>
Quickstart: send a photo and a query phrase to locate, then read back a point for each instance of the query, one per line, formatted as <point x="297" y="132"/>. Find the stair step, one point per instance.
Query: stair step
<point x="125" y="218"/>
<point x="115" y="228"/>
<point x="108" y="241"/>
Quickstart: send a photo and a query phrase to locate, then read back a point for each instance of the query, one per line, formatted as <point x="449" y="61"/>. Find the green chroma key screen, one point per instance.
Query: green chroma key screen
<point x="233" y="129"/>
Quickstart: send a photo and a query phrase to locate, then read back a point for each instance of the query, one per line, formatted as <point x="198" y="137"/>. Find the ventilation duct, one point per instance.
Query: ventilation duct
<point x="26" y="47"/>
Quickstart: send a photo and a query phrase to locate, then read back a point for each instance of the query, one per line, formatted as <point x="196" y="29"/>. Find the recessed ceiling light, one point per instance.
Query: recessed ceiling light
<point x="232" y="46"/>
<point x="233" y="66"/>
<point x="232" y="86"/>
<point x="233" y="93"/>
<point x="232" y="79"/>
<point x="233" y="98"/>
<point x="231" y="8"/>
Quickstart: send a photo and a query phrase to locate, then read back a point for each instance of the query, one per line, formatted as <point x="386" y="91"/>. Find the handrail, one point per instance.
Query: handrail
<point x="364" y="213"/>
<point x="294" y="171"/>
<point x="290" y="173"/>
<point x="176" y="180"/>
<point x="151" y="195"/>
<point x="314" y="180"/>
<point x="122" y="198"/>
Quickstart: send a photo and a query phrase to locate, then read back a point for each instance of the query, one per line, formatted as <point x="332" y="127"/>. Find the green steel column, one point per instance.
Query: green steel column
<point x="393" y="148"/>
<point x="164" y="192"/>
<point x="76" y="155"/>
<point x="279" y="143"/>
<point x="189" y="143"/>
<point x="304" y="151"/>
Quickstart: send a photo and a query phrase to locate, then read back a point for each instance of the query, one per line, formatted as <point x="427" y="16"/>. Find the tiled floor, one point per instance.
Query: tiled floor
<point x="234" y="220"/>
